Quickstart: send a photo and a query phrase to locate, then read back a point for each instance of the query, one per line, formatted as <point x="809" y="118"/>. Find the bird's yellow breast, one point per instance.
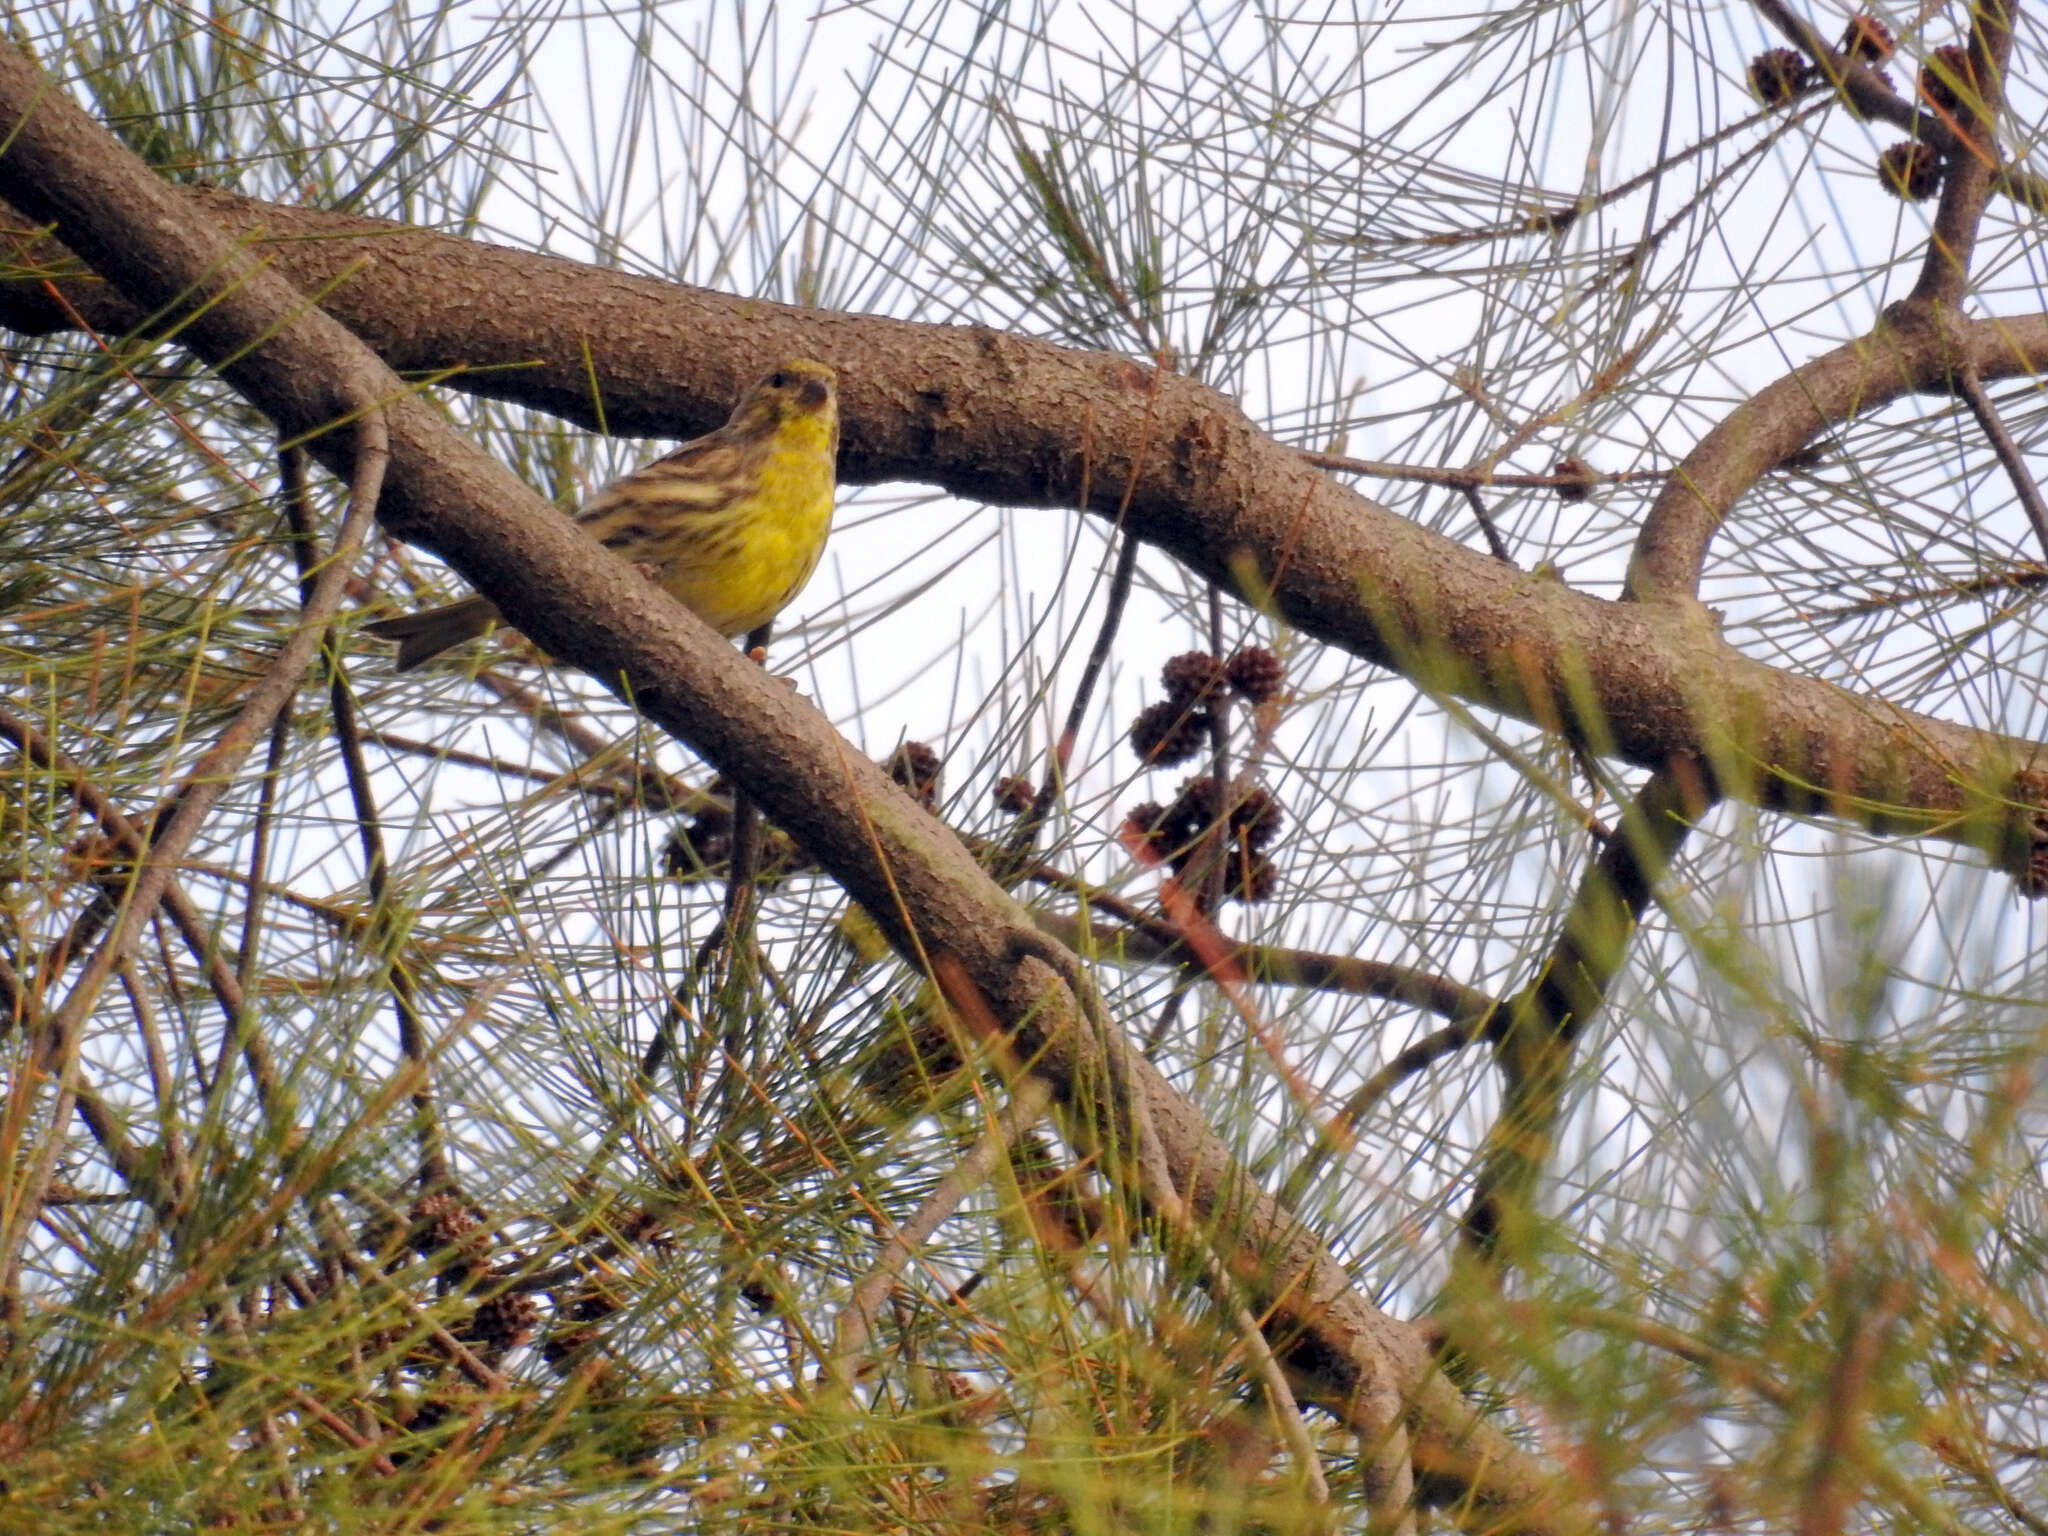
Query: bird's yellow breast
<point x="740" y="576"/>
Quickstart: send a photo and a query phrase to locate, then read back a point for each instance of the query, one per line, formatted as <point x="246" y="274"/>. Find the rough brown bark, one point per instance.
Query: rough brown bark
<point x="1027" y="423"/>
<point x="589" y="608"/>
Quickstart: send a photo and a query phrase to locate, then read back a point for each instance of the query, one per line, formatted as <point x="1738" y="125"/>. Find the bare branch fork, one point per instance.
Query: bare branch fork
<point x="1922" y="343"/>
<point x="925" y="890"/>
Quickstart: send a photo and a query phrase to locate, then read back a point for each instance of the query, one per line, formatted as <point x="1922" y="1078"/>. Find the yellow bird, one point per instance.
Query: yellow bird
<point x="731" y="524"/>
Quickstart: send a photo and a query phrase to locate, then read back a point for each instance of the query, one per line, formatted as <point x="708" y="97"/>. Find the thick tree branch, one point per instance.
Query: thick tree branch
<point x="1966" y="186"/>
<point x="1913" y="347"/>
<point x="1001" y="418"/>
<point x="589" y="608"/>
<point x="1535" y="1034"/>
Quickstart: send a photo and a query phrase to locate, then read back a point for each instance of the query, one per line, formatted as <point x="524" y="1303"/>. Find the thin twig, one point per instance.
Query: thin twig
<point x="2026" y="576"/>
<point x="855" y="1323"/>
<point x="1026" y="831"/>
<point x="2023" y="483"/>
<point x="654" y="787"/>
<point x="645" y="789"/>
<point x="736" y="995"/>
<point x="258" y="885"/>
<point x="1153" y="939"/>
<point x="385" y="933"/>
<point x="1341" y="1131"/>
<point x="1479" y="476"/>
<point x="1484" y="518"/>
<point x="1837" y="1472"/>
<point x="1535" y="1033"/>
<point x="1169" y="1011"/>
<point x="1156" y="1178"/>
<point x="207" y="781"/>
<point x="162" y="1084"/>
<point x="228" y="1322"/>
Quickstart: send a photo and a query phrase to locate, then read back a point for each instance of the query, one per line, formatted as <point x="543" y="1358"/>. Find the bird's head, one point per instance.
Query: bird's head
<point x="796" y="389"/>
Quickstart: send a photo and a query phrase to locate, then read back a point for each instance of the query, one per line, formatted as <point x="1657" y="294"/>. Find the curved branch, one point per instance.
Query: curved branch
<point x="589" y="608"/>
<point x="1001" y="418"/>
<point x="1914" y="348"/>
<point x="1535" y="1034"/>
<point x="1918" y="344"/>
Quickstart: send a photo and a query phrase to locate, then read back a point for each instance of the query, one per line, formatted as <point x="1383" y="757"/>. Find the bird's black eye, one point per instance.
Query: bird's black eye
<point x="779" y="379"/>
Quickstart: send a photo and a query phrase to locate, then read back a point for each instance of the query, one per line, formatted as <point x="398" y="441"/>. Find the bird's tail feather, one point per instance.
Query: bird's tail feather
<point x="423" y="636"/>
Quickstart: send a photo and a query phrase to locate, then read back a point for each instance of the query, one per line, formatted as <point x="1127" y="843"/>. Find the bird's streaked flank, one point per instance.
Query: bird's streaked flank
<point x="731" y="524"/>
